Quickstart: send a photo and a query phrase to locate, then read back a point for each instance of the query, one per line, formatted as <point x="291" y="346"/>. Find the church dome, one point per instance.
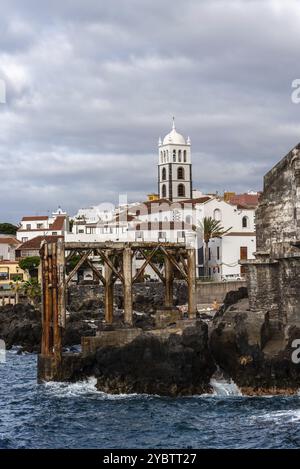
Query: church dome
<point x="174" y="137"/>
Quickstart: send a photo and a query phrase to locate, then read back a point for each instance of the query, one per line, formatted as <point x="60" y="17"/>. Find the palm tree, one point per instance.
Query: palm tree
<point x="17" y="286"/>
<point x="32" y="289"/>
<point x="210" y="228"/>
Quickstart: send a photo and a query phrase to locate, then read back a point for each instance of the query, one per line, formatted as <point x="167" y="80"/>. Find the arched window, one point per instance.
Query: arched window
<point x="181" y="190"/>
<point x="164" y="191"/>
<point x="179" y="156"/>
<point x="174" y="155"/>
<point x="217" y="214"/>
<point x="167" y="154"/>
<point x="138" y="227"/>
<point x="180" y="173"/>
<point x="164" y="174"/>
<point x="245" y="222"/>
<point x="184" y="156"/>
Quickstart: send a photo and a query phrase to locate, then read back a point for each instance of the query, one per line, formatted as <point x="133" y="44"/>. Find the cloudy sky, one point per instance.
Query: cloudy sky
<point x="92" y="84"/>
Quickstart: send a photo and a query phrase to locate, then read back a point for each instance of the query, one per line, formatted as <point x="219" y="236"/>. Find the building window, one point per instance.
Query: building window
<point x="90" y="230"/>
<point x="54" y="233"/>
<point x="188" y="220"/>
<point x="180" y="173"/>
<point x="24" y="240"/>
<point x="218" y="252"/>
<point x="209" y="254"/>
<point x="179" y="156"/>
<point x="16" y="277"/>
<point x="217" y="214"/>
<point x="164" y="174"/>
<point x="80" y="231"/>
<point x="28" y="226"/>
<point x="243" y="253"/>
<point x="245" y="222"/>
<point x="181" y="190"/>
<point x="184" y="156"/>
<point x="164" y="191"/>
<point x="162" y="235"/>
<point x="174" y="155"/>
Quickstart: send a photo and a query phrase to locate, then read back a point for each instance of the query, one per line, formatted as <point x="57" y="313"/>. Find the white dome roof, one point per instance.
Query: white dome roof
<point x="174" y="137"/>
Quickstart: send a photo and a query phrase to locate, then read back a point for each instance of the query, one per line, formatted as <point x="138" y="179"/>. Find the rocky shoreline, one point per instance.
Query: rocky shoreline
<point x="179" y="361"/>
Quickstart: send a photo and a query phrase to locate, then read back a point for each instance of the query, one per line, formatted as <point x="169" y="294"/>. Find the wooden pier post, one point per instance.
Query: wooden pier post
<point x="109" y="294"/>
<point x="127" y="274"/>
<point x="191" y="264"/>
<point x="169" y="276"/>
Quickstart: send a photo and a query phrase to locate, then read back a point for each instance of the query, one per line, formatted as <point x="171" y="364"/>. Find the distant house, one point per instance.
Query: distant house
<point x="8" y="245"/>
<point x="10" y="272"/>
<point x="31" y="248"/>
<point x="42" y="225"/>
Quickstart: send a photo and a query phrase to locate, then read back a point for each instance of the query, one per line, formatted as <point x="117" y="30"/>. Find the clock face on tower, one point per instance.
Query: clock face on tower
<point x="174" y="166"/>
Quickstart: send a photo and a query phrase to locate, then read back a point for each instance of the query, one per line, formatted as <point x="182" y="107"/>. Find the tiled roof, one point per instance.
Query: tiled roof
<point x="58" y="223"/>
<point x="240" y="233"/>
<point x="9" y="240"/>
<point x="35" y="218"/>
<point x="245" y="200"/>
<point x="35" y="243"/>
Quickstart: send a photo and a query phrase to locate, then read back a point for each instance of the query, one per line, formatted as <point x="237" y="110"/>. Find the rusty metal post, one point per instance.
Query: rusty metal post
<point x="169" y="276"/>
<point x="109" y="294"/>
<point x="46" y="318"/>
<point x="61" y="273"/>
<point x="127" y="274"/>
<point x="191" y="258"/>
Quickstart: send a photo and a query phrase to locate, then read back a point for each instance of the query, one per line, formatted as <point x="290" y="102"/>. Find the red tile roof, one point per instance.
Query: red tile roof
<point x="35" y="218"/>
<point x="9" y="240"/>
<point x="245" y="200"/>
<point x="58" y="223"/>
<point x="35" y="243"/>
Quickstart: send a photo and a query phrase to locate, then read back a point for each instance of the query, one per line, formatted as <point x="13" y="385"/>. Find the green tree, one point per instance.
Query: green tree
<point x="30" y="264"/>
<point x="8" y="229"/>
<point x="32" y="290"/>
<point x="210" y="228"/>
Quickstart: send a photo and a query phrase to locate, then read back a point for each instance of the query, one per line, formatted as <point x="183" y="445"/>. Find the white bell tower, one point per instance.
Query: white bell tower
<point x="174" y="167"/>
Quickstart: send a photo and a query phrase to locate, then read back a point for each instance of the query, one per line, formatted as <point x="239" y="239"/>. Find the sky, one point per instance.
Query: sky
<point x="91" y="85"/>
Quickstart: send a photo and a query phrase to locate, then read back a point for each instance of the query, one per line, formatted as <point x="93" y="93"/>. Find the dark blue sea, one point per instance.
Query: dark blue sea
<point x="58" y="415"/>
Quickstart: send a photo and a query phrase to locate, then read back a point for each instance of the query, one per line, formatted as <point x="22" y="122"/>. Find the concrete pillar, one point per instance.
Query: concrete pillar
<point x="127" y="274"/>
<point x="168" y="282"/>
<point x="109" y="294"/>
<point x="192" y="307"/>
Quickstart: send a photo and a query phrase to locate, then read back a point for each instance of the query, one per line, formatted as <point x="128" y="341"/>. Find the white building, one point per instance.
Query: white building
<point x="42" y="225"/>
<point x="239" y="243"/>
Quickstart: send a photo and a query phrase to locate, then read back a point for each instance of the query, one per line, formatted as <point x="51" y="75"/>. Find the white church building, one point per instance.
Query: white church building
<point x="175" y="215"/>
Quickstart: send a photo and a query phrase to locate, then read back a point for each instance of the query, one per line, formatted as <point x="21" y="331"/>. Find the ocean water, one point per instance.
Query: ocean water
<point x="59" y="415"/>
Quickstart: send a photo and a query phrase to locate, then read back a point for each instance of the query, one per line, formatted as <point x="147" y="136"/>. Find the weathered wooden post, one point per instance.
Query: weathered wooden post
<point x="108" y="293"/>
<point x="191" y="264"/>
<point x="169" y="276"/>
<point x="127" y="274"/>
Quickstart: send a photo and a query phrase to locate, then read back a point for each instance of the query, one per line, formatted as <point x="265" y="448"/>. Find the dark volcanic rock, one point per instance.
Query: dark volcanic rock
<point x="20" y="325"/>
<point x="254" y="352"/>
<point x="180" y="364"/>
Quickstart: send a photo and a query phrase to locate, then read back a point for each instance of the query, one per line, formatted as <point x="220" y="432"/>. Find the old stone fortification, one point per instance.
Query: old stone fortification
<point x="253" y="342"/>
<point x="274" y="280"/>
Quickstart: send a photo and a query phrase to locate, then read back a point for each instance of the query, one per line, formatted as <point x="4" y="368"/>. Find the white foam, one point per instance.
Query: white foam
<point x="223" y="387"/>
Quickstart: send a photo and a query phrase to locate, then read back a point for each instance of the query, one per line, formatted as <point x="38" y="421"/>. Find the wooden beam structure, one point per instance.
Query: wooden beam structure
<point x="165" y="259"/>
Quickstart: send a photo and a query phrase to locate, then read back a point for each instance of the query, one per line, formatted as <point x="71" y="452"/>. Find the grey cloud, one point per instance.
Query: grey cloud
<point x="91" y="85"/>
